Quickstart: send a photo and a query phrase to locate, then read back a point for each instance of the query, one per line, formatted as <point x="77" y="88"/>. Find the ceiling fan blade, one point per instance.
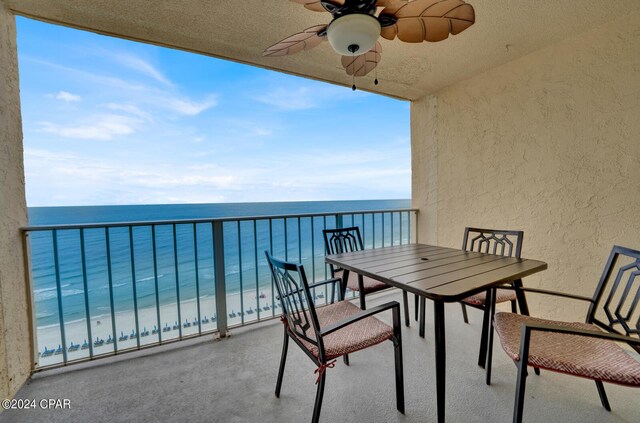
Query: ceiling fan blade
<point x="385" y="3"/>
<point x="364" y="63"/>
<point x="427" y="20"/>
<point x="316" y="5"/>
<point x="305" y="40"/>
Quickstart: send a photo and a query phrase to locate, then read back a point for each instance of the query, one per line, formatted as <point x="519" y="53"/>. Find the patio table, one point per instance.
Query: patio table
<point x="439" y="274"/>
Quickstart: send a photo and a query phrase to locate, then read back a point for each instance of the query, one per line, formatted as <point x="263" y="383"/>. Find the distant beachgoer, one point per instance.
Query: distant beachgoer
<point x="98" y="322"/>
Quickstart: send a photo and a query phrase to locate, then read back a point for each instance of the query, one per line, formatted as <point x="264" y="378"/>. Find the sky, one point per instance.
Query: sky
<point x="108" y="121"/>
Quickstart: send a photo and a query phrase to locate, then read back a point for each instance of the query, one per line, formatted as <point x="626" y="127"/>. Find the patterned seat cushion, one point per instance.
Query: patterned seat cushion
<point x="370" y="285"/>
<point x="592" y="358"/>
<point x="357" y="336"/>
<point x="502" y="296"/>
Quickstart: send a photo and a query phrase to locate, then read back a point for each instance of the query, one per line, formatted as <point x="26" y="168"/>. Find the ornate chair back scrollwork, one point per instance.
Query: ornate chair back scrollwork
<point x="294" y="295"/>
<point x="334" y="330"/>
<point x="590" y="349"/>
<point x="500" y="242"/>
<point x="347" y="240"/>
<point x="614" y="306"/>
<point x="493" y="241"/>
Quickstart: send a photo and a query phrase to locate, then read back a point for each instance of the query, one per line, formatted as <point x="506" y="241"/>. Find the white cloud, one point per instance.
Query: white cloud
<point x="153" y="97"/>
<point x="65" y="96"/>
<point x="289" y="99"/>
<point x="303" y="95"/>
<point x="96" y="78"/>
<point x="262" y="132"/>
<point x="99" y="127"/>
<point x="143" y="67"/>
<point x="188" y="107"/>
<point x="87" y="179"/>
<point x="129" y="108"/>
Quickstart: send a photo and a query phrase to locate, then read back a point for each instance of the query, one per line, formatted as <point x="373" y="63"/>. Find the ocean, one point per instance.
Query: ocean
<point x="183" y="267"/>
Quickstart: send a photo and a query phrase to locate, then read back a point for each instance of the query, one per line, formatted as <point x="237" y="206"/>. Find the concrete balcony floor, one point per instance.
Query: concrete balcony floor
<point x="233" y="381"/>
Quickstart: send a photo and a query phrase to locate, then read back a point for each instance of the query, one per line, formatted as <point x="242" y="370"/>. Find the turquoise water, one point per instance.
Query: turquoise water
<point x="180" y="271"/>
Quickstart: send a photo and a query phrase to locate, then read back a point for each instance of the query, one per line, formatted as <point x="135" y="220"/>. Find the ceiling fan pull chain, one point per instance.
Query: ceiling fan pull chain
<point x="353" y="75"/>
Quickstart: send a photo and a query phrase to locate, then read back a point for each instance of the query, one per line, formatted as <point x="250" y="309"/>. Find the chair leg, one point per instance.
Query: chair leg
<point x="405" y="303"/>
<point x="520" y="387"/>
<point x="283" y="359"/>
<point x="363" y="305"/>
<point x="417" y="306"/>
<point x="345" y="358"/>
<point x="319" y="394"/>
<point x="397" y="350"/>
<point x="514" y="308"/>
<point x="525" y="340"/>
<point x="464" y="313"/>
<point x="522" y="305"/>
<point x="603" y="395"/>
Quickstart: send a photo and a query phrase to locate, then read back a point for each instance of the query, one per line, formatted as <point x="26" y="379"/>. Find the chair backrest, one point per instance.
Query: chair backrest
<point x="342" y="240"/>
<point x="493" y="241"/>
<point x="296" y="300"/>
<point x="615" y="302"/>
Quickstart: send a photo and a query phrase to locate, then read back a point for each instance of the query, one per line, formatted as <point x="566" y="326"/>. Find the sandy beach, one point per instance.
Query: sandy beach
<point x="255" y="305"/>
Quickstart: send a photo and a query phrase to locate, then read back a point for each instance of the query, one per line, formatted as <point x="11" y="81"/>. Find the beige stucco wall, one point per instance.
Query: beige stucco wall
<point x="15" y="355"/>
<point x="550" y="144"/>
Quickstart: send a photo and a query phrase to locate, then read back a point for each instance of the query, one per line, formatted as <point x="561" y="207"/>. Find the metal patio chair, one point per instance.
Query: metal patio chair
<point x="491" y="241"/>
<point x="331" y="331"/>
<point x="589" y="349"/>
<point x="346" y="240"/>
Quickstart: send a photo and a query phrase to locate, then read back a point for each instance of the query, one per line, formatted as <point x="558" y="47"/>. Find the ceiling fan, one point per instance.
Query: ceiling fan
<point x="356" y="26"/>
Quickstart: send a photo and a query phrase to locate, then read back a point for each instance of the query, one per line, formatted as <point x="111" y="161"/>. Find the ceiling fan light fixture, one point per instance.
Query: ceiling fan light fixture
<point x="353" y="34"/>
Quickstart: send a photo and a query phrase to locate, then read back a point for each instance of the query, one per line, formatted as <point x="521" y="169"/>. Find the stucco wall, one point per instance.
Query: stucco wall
<point x="550" y="144"/>
<point x="15" y="355"/>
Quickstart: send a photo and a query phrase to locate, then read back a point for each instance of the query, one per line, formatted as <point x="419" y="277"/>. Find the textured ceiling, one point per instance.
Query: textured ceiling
<point x="240" y="29"/>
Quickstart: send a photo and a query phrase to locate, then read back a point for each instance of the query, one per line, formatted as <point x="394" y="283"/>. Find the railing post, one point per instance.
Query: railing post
<point x="339" y="224"/>
<point x="219" y="278"/>
<point x="26" y="249"/>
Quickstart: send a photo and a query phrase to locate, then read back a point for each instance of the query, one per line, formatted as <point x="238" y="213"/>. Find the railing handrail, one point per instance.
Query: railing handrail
<point x="206" y="220"/>
<point x="149" y="259"/>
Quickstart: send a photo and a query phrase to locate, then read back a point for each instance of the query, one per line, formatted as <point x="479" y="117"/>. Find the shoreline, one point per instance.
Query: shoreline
<point x="49" y="339"/>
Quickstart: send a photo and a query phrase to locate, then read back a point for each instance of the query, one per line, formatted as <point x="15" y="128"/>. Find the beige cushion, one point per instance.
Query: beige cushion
<point x="502" y="296"/>
<point x="370" y="285"/>
<point x="593" y="358"/>
<point x="357" y="336"/>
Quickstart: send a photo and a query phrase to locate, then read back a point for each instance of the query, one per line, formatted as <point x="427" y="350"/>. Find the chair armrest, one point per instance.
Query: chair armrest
<point x="332" y="280"/>
<point x="529" y="327"/>
<point x="356" y="317"/>
<point x="547" y="292"/>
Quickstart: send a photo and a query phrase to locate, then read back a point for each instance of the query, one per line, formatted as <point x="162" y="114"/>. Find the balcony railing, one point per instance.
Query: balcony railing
<point x="104" y="289"/>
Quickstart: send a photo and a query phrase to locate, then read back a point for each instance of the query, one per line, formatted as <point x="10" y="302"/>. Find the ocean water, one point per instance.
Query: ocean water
<point x="125" y="268"/>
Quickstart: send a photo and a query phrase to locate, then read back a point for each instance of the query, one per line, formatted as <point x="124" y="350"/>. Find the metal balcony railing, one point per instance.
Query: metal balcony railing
<point x="104" y="289"/>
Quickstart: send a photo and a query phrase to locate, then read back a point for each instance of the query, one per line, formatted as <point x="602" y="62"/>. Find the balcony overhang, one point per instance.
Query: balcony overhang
<point x="240" y="30"/>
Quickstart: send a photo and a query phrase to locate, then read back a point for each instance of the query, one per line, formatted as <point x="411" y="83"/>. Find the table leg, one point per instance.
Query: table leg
<point x="482" y="356"/>
<point x="345" y="278"/>
<point x="522" y="300"/>
<point x="441" y="355"/>
<point x="423" y="310"/>
<point x="491" y="305"/>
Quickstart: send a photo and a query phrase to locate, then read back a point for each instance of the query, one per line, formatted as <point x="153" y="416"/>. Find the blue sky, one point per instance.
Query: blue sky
<point x="110" y="121"/>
